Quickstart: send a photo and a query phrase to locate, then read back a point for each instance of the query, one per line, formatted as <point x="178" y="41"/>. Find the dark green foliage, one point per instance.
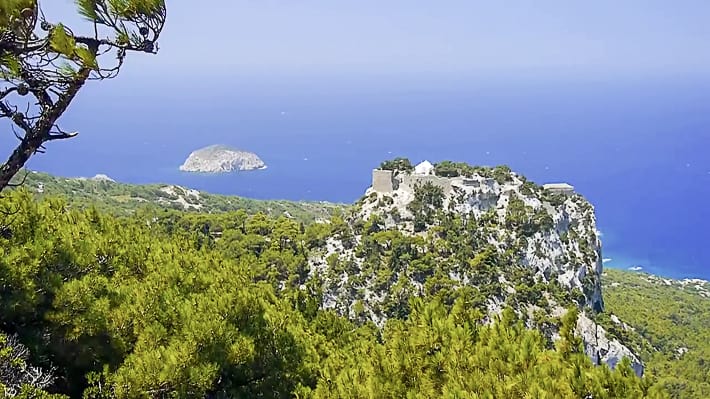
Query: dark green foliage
<point x="17" y="377"/>
<point x="173" y="304"/>
<point x="399" y="164"/>
<point x="525" y="219"/>
<point x="450" y="169"/>
<point x="145" y="310"/>
<point x="528" y="289"/>
<point x="447" y="353"/>
<point x="501" y="174"/>
<point x="554" y="199"/>
<point x="454" y="169"/>
<point x="529" y="188"/>
<point x="428" y="199"/>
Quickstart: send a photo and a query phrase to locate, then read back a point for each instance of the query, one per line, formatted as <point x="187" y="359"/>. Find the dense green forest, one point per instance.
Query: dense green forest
<point x="156" y="305"/>
<point x="103" y="296"/>
<point x="673" y="318"/>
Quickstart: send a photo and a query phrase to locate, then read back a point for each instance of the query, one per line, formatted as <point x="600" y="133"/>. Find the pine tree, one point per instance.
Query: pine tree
<point x="44" y="59"/>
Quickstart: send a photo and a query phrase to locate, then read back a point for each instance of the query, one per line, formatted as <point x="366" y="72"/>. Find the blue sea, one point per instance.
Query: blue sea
<point x="637" y="148"/>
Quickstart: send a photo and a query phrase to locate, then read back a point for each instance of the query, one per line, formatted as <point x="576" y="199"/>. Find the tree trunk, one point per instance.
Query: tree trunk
<point x="40" y="133"/>
<point x="17" y="160"/>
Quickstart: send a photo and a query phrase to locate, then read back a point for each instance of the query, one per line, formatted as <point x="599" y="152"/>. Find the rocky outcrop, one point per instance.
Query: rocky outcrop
<point x="601" y="349"/>
<point x="186" y="198"/>
<point x="102" y="177"/>
<point x="551" y="235"/>
<point x="98" y="178"/>
<point x="221" y="159"/>
<point x="566" y="246"/>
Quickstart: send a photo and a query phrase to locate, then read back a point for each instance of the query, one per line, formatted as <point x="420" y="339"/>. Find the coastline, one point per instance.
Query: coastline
<point x="627" y="263"/>
<point x="180" y="170"/>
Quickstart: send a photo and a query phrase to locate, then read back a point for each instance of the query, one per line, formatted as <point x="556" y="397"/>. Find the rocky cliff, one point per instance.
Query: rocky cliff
<point x="221" y="159"/>
<point x="486" y="233"/>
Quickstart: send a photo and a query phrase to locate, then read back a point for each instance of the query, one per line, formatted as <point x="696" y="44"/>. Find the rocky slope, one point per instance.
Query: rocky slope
<point x="486" y="233"/>
<point x="221" y="159"/>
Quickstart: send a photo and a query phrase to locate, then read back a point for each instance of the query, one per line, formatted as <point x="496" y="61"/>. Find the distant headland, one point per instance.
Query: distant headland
<point x="221" y="159"/>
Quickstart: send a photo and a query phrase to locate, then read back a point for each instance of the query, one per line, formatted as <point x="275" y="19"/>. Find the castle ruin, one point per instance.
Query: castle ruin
<point x="388" y="181"/>
<point x="383" y="181"/>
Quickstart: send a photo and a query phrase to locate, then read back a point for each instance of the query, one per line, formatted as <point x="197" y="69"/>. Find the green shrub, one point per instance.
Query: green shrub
<point x="400" y="164"/>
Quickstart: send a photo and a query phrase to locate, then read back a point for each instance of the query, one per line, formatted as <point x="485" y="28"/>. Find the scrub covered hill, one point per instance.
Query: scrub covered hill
<point x="124" y="199"/>
<point x="148" y="303"/>
<point x="150" y="306"/>
<point x="486" y="234"/>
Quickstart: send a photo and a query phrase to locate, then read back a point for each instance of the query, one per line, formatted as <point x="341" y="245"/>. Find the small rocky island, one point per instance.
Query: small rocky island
<point x="221" y="159"/>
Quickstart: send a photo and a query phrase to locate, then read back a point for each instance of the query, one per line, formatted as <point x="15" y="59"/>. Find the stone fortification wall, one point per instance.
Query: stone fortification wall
<point x="387" y="181"/>
<point x="414" y="180"/>
<point x="476" y="181"/>
<point x="383" y="181"/>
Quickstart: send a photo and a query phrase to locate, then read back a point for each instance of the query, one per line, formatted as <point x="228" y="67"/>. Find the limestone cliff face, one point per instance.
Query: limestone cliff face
<point x="569" y="250"/>
<point x="601" y="349"/>
<point x="221" y="159"/>
<point x="551" y="236"/>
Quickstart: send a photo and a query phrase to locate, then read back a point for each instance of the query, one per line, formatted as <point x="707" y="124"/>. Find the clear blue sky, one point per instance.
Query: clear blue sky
<point x="602" y="37"/>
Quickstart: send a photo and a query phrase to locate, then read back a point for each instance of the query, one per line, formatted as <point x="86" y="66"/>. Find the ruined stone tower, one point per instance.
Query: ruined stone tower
<point x="383" y="181"/>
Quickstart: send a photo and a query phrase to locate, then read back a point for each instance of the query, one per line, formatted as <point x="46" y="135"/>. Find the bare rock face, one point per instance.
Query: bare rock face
<point x="221" y="159"/>
<point x="601" y="349"/>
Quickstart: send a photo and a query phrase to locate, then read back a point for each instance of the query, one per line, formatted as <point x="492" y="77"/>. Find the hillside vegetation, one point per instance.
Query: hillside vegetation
<point x="140" y="302"/>
<point x="124" y="199"/>
<point x="144" y="306"/>
<point x="673" y="317"/>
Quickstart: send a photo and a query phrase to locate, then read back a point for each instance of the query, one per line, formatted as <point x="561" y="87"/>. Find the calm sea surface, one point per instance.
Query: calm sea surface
<point x="637" y="150"/>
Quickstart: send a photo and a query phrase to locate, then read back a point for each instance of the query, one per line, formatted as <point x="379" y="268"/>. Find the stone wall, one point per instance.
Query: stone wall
<point x="383" y="181"/>
<point x="414" y="180"/>
<point x="559" y="188"/>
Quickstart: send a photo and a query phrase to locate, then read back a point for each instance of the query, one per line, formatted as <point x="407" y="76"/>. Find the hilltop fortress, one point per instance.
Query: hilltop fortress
<point x="545" y="232"/>
<point x="385" y="181"/>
